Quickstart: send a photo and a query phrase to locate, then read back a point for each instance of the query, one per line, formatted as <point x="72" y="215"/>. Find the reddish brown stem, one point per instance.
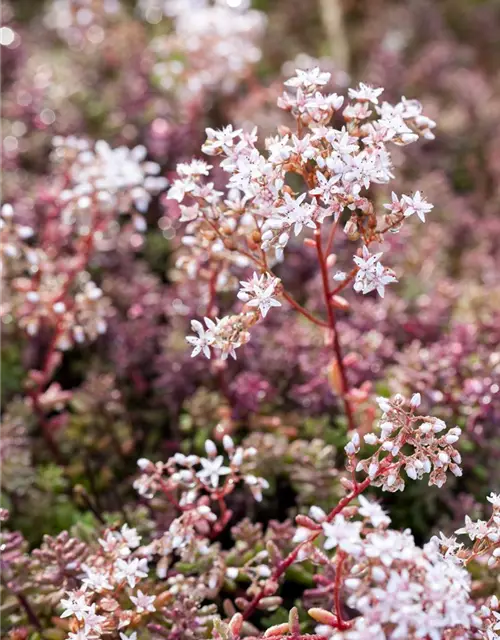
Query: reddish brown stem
<point x="24" y="603"/>
<point x="331" y="237"/>
<point x="390" y="226"/>
<point x="37" y="392"/>
<point x="332" y="324"/>
<point x="224" y="517"/>
<point x="30" y="613"/>
<point x="298" y="307"/>
<point x="168" y="494"/>
<point x="344" y="284"/>
<point x="341" y="556"/>
<point x="47" y="368"/>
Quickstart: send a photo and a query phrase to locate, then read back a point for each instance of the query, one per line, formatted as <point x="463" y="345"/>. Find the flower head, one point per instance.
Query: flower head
<point x="371" y="275"/>
<point x="143" y="602"/>
<point x="416" y="204"/>
<point x="365" y="93"/>
<point x="131" y="570"/>
<point x="343" y="534"/>
<point x="259" y="291"/>
<point x="212" y="471"/>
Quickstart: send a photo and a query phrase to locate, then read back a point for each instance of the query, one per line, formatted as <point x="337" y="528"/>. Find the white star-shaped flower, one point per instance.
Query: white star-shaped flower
<point x="365" y="93"/>
<point x="212" y="471"/>
<point x="343" y="534"/>
<point x="308" y="78"/>
<point x="258" y="292"/>
<point x="131" y="571"/>
<point x="371" y="274"/>
<point x="373" y="511"/>
<point x="202" y="341"/>
<point x="75" y="605"/>
<point x="416" y="204"/>
<point x="143" y="602"/>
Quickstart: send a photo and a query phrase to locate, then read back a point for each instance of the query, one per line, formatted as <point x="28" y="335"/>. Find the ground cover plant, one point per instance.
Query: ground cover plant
<point x="250" y="320"/>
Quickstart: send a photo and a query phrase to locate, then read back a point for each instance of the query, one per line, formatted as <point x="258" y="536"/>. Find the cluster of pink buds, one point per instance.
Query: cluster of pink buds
<point x="213" y="46"/>
<point x="406" y="442"/>
<point x="82" y="319"/>
<point x="490" y="618"/>
<point x="252" y="224"/>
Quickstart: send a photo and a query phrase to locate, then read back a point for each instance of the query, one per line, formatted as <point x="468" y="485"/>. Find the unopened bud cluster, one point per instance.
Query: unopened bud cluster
<point x="407" y="443"/>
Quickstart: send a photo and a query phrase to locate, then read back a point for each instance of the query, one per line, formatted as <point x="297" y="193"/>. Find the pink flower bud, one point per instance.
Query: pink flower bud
<point x="277" y="630"/>
<point x="415" y="400"/>
<point x="210" y="448"/>
<point x="235" y="624"/>
<point x="323" y="616"/>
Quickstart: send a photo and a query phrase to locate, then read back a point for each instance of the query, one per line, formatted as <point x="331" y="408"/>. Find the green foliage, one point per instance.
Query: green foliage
<point x="13" y="372"/>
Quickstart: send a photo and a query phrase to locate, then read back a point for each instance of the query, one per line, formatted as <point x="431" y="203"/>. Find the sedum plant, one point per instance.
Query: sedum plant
<point x="190" y="561"/>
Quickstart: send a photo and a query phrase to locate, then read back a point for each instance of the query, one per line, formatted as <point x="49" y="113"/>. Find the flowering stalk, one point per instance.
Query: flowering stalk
<point x="50" y="284"/>
<point x="253" y="225"/>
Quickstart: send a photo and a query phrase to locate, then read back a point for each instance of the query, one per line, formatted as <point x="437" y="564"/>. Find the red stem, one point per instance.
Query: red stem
<point x="344" y="284"/>
<point x="341" y="556"/>
<point x="331" y="236"/>
<point x="331" y="321"/>
<point x="303" y="311"/>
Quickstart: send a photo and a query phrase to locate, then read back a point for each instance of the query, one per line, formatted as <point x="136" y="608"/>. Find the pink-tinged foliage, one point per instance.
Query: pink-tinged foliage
<point x="250" y="321"/>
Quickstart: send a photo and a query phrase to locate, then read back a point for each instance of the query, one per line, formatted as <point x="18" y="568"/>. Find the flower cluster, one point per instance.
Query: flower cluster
<point x="191" y="475"/>
<point x="48" y="263"/>
<point x="398" y="589"/>
<point x="109" y="575"/>
<point x="52" y="285"/>
<point x="116" y="180"/>
<point x="48" y="289"/>
<point x="226" y="334"/>
<point x="254" y="223"/>
<point x="213" y="46"/>
<point x="408" y="442"/>
<point x="485" y="536"/>
<point x="371" y="274"/>
<point x="114" y="592"/>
